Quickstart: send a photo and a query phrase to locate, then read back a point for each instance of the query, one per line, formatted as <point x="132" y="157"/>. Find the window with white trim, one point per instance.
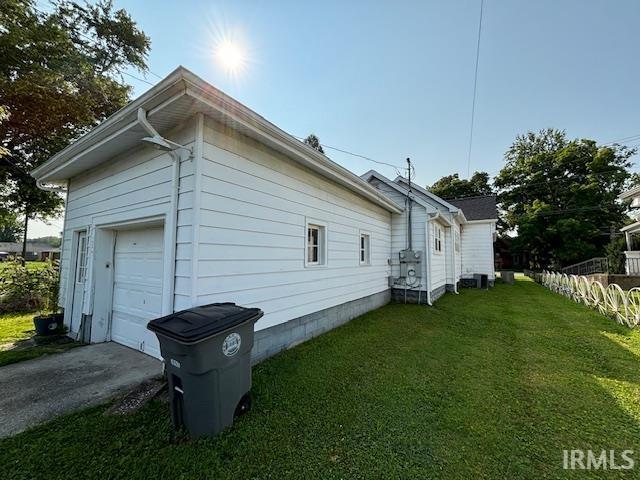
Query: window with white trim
<point x="365" y="249"/>
<point x="316" y="244"/>
<point x="457" y="241"/>
<point x="437" y="238"/>
<point x="81" y="259"/>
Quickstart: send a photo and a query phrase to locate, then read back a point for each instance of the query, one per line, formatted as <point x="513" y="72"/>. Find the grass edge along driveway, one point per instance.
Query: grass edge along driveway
<point x="16" y="329"/>
<point x="485" y="384"/>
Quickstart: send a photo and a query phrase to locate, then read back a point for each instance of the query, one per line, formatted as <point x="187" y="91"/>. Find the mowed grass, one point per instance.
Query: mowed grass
<point x="487" y="384"/>
<point x="16" y="329"/>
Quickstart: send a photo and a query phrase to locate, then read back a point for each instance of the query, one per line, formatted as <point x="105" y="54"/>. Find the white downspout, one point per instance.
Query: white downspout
<point x="172" y="226"/>
<point x="453" y="255"/>
<point x="177" y="152"/>
<point x="428" y="257"/>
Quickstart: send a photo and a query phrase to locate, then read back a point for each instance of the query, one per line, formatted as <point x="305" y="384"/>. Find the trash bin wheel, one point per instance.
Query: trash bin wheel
<point x="244" y="405"/>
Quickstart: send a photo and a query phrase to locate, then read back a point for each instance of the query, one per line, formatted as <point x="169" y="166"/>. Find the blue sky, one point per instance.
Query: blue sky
<point x="392" y="80"/>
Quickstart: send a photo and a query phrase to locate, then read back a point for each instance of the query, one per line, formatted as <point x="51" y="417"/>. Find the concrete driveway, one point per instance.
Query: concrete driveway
<point x="38" y="390"/>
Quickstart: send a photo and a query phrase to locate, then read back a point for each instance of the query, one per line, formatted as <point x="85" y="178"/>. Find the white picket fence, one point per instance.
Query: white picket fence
<point x="623" y="306"/>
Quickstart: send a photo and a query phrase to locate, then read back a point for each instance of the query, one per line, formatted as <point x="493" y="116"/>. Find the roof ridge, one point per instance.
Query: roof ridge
<point x="472" y="196"/>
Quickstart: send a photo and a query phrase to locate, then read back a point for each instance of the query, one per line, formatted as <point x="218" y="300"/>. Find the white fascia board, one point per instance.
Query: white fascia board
<point x="484" y="220"/>
<point x="631" y="228"/>
<point x="633" y="192"/>
<point x="427" y="193"/>
<point x="373" y="174"/>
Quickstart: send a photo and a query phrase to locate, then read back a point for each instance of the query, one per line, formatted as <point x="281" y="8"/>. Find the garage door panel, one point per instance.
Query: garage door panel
<point x="137" y="289"/>
<point x="147" y="269"/>
<point x="137" y="302"/>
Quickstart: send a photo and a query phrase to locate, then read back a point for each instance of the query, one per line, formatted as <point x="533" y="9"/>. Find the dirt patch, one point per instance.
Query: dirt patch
<point x="138" y="397"/>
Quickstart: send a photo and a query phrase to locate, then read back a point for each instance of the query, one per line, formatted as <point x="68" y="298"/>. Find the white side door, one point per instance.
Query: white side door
<point x="79" y="279"/>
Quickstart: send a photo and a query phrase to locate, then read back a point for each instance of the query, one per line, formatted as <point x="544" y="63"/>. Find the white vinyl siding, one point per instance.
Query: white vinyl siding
<point x="458" y="252"/>
<point x="399" y="230"/>
<point x="438" y="268"/>
<point x="477" y="249"/>
<point x="134" y="185"/>
<point x="254" y="211"/>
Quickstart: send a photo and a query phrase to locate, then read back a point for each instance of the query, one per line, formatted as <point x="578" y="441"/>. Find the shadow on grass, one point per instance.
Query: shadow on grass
<point x="485" y="384"/>
<point x="25" y="345"/>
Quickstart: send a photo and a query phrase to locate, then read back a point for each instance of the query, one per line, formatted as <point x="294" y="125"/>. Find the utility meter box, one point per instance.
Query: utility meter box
<point x="410" y="263"/>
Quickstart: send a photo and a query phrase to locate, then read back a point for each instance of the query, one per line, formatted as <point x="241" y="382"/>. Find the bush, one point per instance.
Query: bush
<point x="26" y="290"/>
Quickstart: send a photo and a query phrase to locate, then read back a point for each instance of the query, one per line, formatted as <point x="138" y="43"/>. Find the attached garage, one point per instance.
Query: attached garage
<point x="137" y="288"/>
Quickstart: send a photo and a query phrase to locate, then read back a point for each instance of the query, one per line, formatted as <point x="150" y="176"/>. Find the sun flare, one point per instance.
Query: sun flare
<point x="230" y="56"/>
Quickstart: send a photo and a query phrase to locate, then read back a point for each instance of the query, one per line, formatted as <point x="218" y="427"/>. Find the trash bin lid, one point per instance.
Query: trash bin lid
<point x="198" y="323"/>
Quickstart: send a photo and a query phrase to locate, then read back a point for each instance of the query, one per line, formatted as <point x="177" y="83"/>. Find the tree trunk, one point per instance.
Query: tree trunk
<point x="24" y="238"/>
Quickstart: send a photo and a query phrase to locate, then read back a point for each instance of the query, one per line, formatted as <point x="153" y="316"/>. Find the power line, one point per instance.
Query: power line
<point x="624" y="139"/>
<point x="475" y="89"/>
<point x="341" y="150"/>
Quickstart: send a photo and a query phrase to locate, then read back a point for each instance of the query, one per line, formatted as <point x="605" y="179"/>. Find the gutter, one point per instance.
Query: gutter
<point x="52" y="188"/>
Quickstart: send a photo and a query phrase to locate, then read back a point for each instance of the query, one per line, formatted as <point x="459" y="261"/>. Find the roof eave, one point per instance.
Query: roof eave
<point x="93" y="137"/>
<point x="635" y="191"/>
<point x="202" y="91"/>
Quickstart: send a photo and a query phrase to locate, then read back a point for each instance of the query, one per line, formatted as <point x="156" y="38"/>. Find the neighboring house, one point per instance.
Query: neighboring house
<point x="226" y="208"/>
<point x="454" y="248"/>
<point x="632" y="254"/>
<point x="35" y="251"/>
<point x="479" y="234"/>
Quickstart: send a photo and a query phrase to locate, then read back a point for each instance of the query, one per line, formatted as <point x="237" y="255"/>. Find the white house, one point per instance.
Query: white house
<point x="455" y="249"/>
<point x="186" y="197"/>
<point x="632" y="254"/>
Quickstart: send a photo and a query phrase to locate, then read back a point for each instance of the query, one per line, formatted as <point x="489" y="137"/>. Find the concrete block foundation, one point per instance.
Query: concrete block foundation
<point x="286" y="335"/>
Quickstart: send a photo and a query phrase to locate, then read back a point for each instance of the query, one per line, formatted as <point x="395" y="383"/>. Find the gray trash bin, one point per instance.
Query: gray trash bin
<point x="207" y="355"/>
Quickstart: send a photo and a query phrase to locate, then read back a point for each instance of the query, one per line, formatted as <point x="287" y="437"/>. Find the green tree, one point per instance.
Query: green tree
<point x="50" y="240"/>
<point x="452" y="186"/>
<point x="560" y="196"/>
<point x="614" y="251"/>
<point x="60" y="75"/>
<point x="10" y="226"/>
<point x="314" y="142"/>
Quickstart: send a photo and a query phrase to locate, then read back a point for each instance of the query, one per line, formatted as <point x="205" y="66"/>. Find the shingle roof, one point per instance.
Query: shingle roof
<point x="477" y="208"/>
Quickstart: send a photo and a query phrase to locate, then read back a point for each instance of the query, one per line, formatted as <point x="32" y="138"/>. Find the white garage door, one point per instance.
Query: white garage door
<point x="137" y="288"/>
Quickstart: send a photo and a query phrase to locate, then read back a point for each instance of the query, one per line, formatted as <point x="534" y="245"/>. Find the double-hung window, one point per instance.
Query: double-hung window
<point x="365" y="249"/>
<point x="316" y="251"/>
<point x="437" y="238"/>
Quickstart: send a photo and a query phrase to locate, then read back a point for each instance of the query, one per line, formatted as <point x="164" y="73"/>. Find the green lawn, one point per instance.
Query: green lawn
<point x="483" y="385"/>
<point x="16" y="329"/>
<point x="30" y="265"/>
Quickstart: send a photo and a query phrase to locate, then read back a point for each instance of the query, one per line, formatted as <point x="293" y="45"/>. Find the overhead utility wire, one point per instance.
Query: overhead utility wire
<point x="475" y="89"/>
<point x="341" y="150"/>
